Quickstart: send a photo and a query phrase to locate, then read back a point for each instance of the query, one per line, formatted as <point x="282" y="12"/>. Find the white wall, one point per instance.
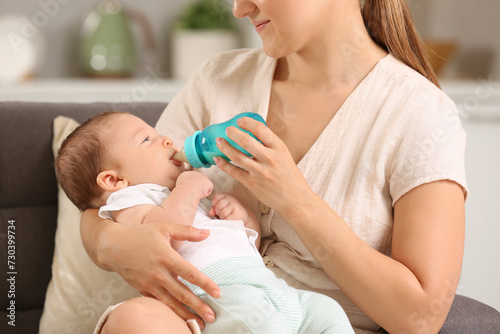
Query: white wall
<point x="479" y="105"/>
<point x="481" y="267"/>
<point x="474" y="25"/>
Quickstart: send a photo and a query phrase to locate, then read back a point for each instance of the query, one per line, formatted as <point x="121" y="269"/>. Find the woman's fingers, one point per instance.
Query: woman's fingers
<point x="249" y="143"/>
<point x="238" y="168"/>
<point x="184" y="232"/>
<point x="183" y="268"/>
<point x="176" y="295"/>
<point x="193" y="275"/>
<point x="271" y="174"/>
<point x="259" y="130"/>
<point x="179" y="309"/>
<point x="260" y="149"/>
<point x="165" y="286"/>
<point x="156" y="272"/>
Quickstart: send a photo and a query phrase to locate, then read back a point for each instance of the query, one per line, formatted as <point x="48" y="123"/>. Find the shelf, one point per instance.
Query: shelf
<point x="473" y="98"/>
<point x="149" y="89"/>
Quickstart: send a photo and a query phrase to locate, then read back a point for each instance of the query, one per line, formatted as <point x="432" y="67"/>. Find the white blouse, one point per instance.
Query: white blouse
<point x="395" y="132"/>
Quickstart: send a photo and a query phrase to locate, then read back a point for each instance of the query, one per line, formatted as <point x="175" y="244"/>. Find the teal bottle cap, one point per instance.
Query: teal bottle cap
<point x="191" y="153"/>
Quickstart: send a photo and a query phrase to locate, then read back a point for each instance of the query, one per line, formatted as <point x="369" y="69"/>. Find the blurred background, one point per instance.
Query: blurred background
<point x="469" y="29"/>
<point x="59" y="29"/>
<point x="83" y="51"/>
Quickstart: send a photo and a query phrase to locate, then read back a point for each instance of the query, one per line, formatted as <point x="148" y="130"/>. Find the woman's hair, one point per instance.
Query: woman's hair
<point x="390" y="24"/>
<point x="80" y="160"/>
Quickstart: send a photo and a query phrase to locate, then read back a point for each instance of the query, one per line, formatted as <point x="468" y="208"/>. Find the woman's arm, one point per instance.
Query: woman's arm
<point x="154" y="273"/>
<point x="410" y="292"/>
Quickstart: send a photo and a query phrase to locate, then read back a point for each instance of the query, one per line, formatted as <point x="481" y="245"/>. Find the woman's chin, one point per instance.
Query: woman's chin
<point x="272" y="51"/>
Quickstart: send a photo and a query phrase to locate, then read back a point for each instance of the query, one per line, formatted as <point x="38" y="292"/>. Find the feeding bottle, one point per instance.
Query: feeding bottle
<point x="200" y="149"/>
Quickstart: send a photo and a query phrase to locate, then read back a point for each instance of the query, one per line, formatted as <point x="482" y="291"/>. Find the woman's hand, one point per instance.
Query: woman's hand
<point x="271" y="174"/>
<point x="142" y="255"/>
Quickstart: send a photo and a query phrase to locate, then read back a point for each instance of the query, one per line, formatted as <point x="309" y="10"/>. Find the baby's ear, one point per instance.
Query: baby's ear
<point x="109" y="181"/>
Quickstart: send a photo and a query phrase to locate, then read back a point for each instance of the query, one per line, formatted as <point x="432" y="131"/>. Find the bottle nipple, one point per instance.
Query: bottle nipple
<point x="181" y="156"/>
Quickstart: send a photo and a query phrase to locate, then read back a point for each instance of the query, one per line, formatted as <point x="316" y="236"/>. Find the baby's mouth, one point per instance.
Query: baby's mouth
<point x="175" y="161"/>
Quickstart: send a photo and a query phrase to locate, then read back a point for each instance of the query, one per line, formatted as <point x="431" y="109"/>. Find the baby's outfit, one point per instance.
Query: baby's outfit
<point x="252" y="299"/>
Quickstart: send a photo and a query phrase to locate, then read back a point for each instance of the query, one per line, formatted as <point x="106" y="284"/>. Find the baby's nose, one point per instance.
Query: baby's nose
<point x="166" y="141"/>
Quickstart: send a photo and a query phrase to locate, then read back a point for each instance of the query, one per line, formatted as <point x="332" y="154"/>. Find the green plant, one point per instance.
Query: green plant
<point x="206" y="14"/>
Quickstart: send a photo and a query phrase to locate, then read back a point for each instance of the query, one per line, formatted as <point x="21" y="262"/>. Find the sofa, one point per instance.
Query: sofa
<point x="29" y="199"/>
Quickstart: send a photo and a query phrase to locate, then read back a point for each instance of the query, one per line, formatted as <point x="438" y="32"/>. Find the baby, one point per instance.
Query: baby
<point x="118" y="163"/>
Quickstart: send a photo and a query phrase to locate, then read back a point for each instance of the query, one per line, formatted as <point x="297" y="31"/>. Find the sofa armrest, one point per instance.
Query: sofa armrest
<point x="469" y="316"/>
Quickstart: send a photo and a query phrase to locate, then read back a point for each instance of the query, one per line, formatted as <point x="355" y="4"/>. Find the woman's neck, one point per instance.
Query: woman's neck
<point x="338" y="59"/>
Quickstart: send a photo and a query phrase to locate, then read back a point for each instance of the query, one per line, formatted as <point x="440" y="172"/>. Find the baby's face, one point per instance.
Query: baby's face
<point x="140" y="154"/>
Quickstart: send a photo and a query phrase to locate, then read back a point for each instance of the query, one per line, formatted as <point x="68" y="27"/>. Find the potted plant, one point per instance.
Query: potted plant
<point x="204" y="28"/>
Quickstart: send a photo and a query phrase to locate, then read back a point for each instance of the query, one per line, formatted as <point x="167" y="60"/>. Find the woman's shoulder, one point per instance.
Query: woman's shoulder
<point x="408" y="90"/>
<point x="404" y="76"/>
<point x="238" y="64"/>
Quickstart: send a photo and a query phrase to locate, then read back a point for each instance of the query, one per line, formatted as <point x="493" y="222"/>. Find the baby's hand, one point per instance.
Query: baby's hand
<point x="227" y="207"/>
<point x="195" y="180"/>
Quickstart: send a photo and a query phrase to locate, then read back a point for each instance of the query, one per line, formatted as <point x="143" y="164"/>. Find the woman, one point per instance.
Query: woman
<point x="358" y="181"/>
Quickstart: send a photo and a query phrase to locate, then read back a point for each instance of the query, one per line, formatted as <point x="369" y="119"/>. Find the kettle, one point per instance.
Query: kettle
<point x="107" y="44"/>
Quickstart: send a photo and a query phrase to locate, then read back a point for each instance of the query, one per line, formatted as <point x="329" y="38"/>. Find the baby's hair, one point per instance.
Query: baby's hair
<point x="80" y="160"/>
